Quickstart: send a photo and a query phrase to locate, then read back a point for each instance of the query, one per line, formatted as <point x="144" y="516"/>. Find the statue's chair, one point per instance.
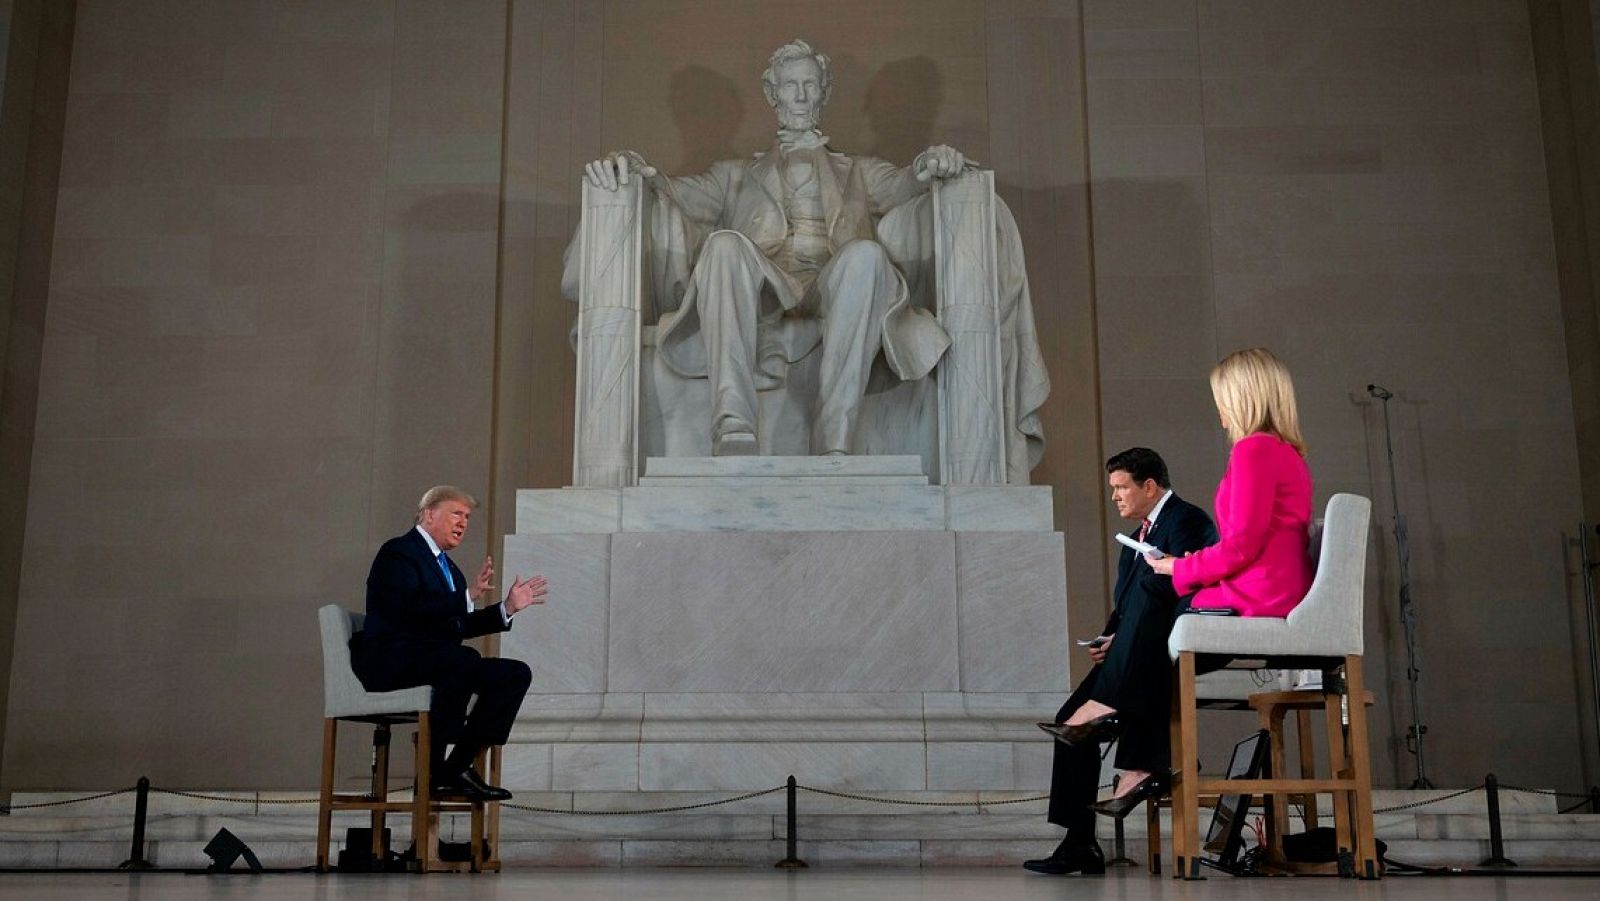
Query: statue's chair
<point x="631" y="407"/>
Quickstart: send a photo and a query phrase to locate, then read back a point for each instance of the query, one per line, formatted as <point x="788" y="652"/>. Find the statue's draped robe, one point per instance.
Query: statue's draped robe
<point x="865" y="198"/>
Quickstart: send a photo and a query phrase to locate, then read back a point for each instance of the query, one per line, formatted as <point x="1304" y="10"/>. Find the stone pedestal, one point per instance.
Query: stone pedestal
<point x="732" y="621"/>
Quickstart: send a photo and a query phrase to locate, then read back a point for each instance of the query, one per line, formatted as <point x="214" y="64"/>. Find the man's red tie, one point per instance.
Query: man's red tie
<point x="1144" y="529"/>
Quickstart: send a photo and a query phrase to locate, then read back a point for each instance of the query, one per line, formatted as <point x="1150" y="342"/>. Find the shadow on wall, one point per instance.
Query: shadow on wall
<point x="902" y="103"/>
<point x="707" y="110"/>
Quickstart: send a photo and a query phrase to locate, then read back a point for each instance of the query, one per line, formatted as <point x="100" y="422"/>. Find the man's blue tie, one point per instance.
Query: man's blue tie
<point x="444" y="565"/>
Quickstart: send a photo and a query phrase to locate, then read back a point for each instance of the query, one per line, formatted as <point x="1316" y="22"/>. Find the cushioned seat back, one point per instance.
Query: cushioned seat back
<point x="1333" y="606"/>
<point x="339" y="681"/>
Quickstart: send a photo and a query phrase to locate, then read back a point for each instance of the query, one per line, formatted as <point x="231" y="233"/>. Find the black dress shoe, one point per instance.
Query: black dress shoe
<point x="469" y="783"/>
<point x="1101" y="729"/>
<point x="1153" y="787"/>
<point x="1070" y="858"/>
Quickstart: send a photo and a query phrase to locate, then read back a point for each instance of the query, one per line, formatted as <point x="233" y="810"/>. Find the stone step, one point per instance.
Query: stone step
<point x="832" y="504"/>
<point x="1467" y="853"/>
<point x="1025" y="823"/>
<point x="1534" y="808"/>
<point x="784" y="467"/>
<point x="831" y="829"/>
<point x="764" y="481"/>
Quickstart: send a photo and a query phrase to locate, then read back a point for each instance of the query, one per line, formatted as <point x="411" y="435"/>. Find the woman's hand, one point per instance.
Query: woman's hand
<point x="1161" y="565"/>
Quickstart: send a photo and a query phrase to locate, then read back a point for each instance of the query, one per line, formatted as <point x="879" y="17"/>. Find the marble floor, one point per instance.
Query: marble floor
<point x="754" y="885"/>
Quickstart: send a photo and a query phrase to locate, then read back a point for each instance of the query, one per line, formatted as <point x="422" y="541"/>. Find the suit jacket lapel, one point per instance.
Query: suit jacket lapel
<point x="430" y="562"/>
<point x="830" y="176"/>
<point x="1129" y="562"/>
<point x="765" y="170"/>
<point x="1126" y="564"/>
<point x="1160" y="529"/>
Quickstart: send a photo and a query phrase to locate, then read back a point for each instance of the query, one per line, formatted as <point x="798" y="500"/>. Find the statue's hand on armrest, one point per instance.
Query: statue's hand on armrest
<point x="940" y="161"/>
<point x="615" y="169"/>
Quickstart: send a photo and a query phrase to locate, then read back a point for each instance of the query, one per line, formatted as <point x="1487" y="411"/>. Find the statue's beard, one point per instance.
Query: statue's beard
<point x="793" y="121"/>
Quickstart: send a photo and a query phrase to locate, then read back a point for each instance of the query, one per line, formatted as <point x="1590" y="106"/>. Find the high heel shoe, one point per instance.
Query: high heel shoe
<point x="1101" y="729"/>
<point x="1154" y="786"/>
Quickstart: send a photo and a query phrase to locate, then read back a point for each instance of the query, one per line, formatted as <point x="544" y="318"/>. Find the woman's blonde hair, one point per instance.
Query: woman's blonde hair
<point x="1254" y="393"/>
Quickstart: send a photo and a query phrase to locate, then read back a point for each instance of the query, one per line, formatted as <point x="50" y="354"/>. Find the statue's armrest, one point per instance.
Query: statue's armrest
<point x="610" y="262"/>
<point x="966" y="277"/>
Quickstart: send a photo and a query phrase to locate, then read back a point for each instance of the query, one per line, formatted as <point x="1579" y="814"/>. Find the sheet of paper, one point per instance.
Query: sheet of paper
<point x="1140" y="546"/>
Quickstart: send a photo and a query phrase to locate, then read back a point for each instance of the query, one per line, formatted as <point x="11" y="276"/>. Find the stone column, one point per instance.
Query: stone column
<point x="971" y="395"/>
<point x="605" y="434"/>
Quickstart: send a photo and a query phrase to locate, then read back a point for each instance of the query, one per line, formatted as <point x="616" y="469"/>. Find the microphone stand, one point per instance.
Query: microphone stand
<point x="1408" y="610"/>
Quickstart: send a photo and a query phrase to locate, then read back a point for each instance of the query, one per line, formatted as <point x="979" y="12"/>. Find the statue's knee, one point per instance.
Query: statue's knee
<point x="723" y="245"/>
<point x="862" y="252"/>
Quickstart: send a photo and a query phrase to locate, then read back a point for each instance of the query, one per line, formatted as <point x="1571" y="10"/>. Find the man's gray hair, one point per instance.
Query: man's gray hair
<point x="795" y="49"/>
<point x="438" y="494"/>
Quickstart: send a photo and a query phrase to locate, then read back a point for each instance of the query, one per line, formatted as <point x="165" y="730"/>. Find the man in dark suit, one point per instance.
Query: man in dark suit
<point x="419" y="610"/>
<point x="1128" y="692"/>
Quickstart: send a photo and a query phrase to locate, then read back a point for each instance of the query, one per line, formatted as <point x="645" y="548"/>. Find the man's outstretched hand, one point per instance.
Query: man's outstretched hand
<point x="484" y="583"/>
<point x="526" y="593"/>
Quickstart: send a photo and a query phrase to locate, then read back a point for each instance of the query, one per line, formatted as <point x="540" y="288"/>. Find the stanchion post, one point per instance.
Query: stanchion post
<point x="1594" y="799"/>
<point x="791" y="860"/>
<point x="1119" y="847"/>
<point x="141" y="810"/>
<point x="1497" y="845"/>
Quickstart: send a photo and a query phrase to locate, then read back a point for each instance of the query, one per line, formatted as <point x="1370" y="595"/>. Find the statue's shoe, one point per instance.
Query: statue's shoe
<point x="735" y="444"/>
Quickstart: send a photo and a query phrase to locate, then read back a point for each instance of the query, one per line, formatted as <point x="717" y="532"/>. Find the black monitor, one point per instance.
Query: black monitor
<point x="1225" y="837"/>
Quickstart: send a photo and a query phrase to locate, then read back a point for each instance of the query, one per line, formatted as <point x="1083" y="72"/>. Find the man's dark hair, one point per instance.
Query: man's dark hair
<point x="1140" y="463"/>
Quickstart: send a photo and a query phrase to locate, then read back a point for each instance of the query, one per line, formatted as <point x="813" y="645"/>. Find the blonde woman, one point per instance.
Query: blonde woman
<point x="1260" y="566"/>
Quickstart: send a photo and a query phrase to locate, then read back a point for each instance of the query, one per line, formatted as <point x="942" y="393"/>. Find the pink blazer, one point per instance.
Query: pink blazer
<point x="1261" y="567"/>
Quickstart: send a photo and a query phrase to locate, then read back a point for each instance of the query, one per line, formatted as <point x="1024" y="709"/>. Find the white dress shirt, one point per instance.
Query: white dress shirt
<point x="465" y="596"/>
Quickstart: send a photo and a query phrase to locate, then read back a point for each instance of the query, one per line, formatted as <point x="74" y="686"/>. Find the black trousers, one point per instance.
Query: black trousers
<point x="457" y="673"/>
<point x="1136" y="680"/>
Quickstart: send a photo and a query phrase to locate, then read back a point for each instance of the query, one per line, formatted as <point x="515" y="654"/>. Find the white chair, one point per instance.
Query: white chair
<point x="344" y="699"/>
<point x="1324" y="631"/>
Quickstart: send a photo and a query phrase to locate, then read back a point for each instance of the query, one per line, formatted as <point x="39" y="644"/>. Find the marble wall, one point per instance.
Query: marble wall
<point x="1569" y="99"/>
<point x="270" y="326"/>
<point x="35" y="52"/>
<point x="306" y="260"/>
<point x="1361" y="187"/>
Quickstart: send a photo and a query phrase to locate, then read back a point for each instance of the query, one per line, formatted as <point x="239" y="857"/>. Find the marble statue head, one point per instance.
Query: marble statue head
<point x="797" y="82"/>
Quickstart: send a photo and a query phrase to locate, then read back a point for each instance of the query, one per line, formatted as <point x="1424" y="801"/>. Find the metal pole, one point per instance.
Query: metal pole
<point x="141" y="810"/>
<point x="1591" y="615"/>
<point x="1408" y="611"/>
<point x="1119" y="839"/>
<point x="1497" y="845"/>
<point x="1119" y="847"/>
<point x="791" y="860"/>
<point x="1594" y="799"/>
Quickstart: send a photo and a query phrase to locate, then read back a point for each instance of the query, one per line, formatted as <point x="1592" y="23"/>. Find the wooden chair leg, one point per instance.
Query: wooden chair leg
<point x="1175" y="727"/>
<point x="1361" y="770"/>
<point x="478" y="819"/>
<point x="1333" y="720"/>
<point x="497" y="774"/>
<point x="1308" y="766"/>
<point x="1277" y="821"/>
<point x="422" y="807"/>
<point x="380" y="787"/>
<point x="330" y="730"/>
<point x="1186" y="794"/>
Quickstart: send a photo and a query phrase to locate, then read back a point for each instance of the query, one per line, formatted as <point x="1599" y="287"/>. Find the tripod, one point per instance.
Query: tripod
<point x="1408" y="610"/>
